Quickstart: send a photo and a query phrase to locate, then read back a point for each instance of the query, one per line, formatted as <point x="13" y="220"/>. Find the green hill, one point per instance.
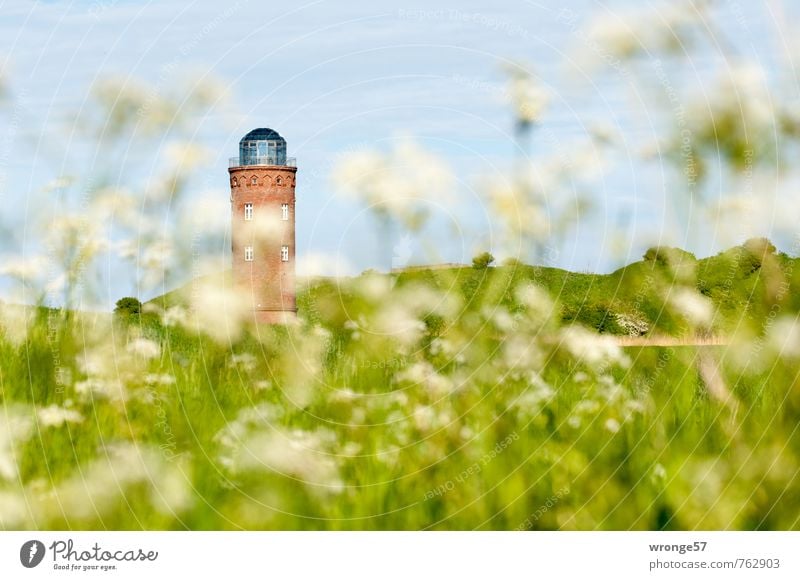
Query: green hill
<point x="743" y="283"/>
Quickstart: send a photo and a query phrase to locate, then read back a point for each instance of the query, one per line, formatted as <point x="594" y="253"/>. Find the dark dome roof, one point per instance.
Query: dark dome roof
<point x="263" y="134"/>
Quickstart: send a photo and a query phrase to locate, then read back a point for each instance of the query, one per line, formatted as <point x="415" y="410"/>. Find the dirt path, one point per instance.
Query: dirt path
<point x="672" y="341"/>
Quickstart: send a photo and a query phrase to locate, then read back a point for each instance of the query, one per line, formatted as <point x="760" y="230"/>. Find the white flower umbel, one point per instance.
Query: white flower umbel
<point x="15" y="427"/>
<point x="219" y="310"/>
<point x="692" y="306"/>
<point x="298" y="454"/>
<point x="15" y="321"/>
<point x="593" y="349"/>
<point x="527" y="96"/>
<point x="102" y="485"/>
<point x="398" y="185"/>
<point x="425" y="375"/>
<point x="144" y="347"/>
<point x="784" y="337"/>
<point x="670" y="27"/>
<point x="55" y="416"/>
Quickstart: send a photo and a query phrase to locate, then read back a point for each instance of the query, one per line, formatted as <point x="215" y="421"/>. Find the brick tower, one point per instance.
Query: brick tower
<point x="262" y="225"/>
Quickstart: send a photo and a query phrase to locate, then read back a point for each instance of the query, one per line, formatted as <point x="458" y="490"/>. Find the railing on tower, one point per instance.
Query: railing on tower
<point x="268" y="160"/>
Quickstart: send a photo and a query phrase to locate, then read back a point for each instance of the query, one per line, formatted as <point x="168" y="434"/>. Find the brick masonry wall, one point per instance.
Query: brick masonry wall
<point x="268" y="281"/>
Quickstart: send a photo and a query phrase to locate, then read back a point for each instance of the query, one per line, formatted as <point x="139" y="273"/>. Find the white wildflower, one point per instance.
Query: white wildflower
<point x="15" y="427"/>
<point x="530" y="403"/>
<point x="399" y="184"/>
<point x="126" y="249"/>
<point x="501" y="318"/>
<point x="154" y="260"/>
<point x="317" y="264"/>
<point x="344" y="395"/>
<point x="527" y="96"/>
<point x="109" y="388"/>
<point x="424" y="418"/>
<point x="122" y="206"/>
<point x="400" y="323"/>
<point x="70" y="235"/>
<point x="13" y="509"/>
<point x="59" y="183"/>
<point x="297" y="454"/>
<point x="521" y="211"/>
<point x="423" y="373"/>
<point x="692" y="306"/>
<point x="587" y="407"/>
<point x="100" y="486"/>
<point x="262" y="385"/>
<point x="358" y="416"/>
<point x="27" y="268"/>
<point x="244" y="360"/>
<point x="219" y="311"/>
<point x="175" y="316"/>
<point x="784" y="337"/>
<point x="537" y="301"/>
<point x="623" y="35"/>
<point x="374" y="287"/>
<point x="186" y="156"/>
<point x="144" y="348"/>
<point x="350" y="449"/>
<point x="522" y="352"/>
<point x="659" y="472"/>
<point x="15" y="321"/>
<point x="592" y="348"/>
<point x="209" y="215"/>
<point x="159" y="379"/>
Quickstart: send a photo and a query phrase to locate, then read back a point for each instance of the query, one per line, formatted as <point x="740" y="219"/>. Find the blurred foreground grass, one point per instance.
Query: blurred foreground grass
<point x="447" y="399"/>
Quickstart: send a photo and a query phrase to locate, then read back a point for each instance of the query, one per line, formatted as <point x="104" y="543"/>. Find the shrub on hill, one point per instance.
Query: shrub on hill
<point x="128" y="306"/>
<point x="666" y="256"/>
<point x="755" y="252"/>
<point x="482" y="261"/>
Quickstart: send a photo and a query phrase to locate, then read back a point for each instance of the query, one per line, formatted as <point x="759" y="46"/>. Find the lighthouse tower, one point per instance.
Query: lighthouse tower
<point x="262" y="225"/>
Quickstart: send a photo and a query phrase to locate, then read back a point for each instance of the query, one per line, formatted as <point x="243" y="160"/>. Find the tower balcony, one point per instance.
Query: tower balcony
<point x="252" y="160"/>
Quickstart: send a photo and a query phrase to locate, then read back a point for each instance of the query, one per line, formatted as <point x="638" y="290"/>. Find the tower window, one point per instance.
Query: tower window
<point x="285" y="211"/>
<point x="248" y="211"/>
<point x="279" y="181"/>
<point x="284" y="253"/>
<point x="254" y="180"/>
<point x="248" y="253"/>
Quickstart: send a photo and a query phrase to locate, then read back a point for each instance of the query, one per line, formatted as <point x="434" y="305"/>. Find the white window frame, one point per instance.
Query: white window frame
<point x="248" y="212"/>
<point x="248" y="253"/>
<point x="284" y="253"/>
<point x="285" y="212"/>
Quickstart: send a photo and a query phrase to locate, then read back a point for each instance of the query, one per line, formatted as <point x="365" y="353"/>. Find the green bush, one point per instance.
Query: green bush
<point x="666" y="256"/>
<point x="482" y="261"/>
<point x="597" y="316"/>
<point x="128" y="306"/>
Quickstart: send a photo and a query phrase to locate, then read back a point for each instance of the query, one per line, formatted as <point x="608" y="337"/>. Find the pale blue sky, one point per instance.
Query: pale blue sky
<point x="332" y="76"/>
